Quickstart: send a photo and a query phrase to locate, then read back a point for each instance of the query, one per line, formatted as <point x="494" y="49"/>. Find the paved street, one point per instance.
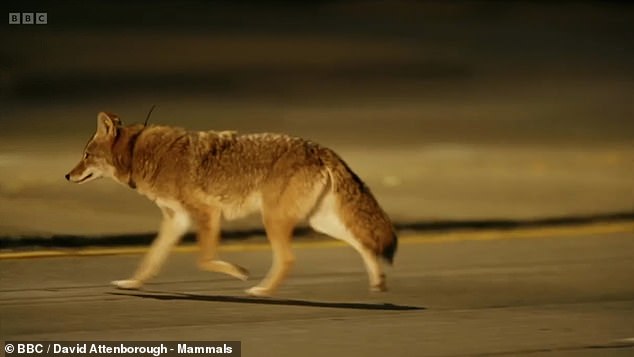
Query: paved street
<point x="536" y="295"/>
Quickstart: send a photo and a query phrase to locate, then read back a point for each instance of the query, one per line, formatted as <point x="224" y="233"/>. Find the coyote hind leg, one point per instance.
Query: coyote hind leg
<point x="279" y="233"/>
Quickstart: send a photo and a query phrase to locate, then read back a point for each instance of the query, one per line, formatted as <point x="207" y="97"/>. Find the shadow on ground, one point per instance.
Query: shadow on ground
<point x="158" y="295"/>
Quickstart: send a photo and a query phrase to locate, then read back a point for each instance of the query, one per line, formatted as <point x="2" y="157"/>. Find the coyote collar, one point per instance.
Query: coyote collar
<point x="131" y="183"/>
<point x="133" y="139"/>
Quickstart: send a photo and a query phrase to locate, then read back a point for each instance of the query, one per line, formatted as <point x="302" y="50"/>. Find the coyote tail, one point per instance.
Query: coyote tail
<point x="359" y="210"/>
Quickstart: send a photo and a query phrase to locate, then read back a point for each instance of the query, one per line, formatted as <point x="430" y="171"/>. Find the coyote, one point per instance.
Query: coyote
<point x="199" y="176"/>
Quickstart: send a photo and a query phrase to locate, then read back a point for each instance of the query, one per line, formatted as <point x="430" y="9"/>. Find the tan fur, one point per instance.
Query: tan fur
<point x="200" y="176"/>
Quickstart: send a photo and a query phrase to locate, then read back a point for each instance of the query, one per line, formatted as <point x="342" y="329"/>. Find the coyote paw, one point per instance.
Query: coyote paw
<point x="259" y="291"/>
<point x="380" y="286"/>
<point x="225" y="267"/>
<point x="127" y="284"/>
<point x="241" y="274"/>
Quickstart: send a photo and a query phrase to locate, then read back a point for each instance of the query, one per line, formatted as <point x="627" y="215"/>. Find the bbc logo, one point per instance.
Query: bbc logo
<point x="28" y="18"/>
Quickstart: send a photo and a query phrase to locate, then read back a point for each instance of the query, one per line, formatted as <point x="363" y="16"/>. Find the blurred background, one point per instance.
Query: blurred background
<point x="449" y="110"/>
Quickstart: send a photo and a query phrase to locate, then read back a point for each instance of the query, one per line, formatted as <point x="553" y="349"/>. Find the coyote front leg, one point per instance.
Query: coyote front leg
<point x="175" y="223"/>
<point x="208" y="238"/>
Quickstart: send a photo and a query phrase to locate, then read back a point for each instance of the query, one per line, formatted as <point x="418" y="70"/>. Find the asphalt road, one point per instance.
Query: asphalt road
<point x="543" y="294"/>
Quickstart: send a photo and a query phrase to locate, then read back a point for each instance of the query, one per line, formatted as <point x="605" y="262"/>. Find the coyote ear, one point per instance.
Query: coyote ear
<point x="107" y="124"/>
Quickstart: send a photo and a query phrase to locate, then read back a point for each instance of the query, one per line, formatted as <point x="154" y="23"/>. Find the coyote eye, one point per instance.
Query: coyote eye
<point x="86" y="154"/>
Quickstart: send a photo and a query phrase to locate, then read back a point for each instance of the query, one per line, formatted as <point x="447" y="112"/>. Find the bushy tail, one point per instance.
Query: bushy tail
<point x="390" y="250"/>
<point x="359" y="210"/>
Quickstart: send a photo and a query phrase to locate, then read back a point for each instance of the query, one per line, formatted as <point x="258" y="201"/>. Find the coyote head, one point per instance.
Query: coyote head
<point x="97" y="159"/>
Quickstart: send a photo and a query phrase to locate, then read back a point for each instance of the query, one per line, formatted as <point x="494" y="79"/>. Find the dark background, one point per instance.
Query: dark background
<point x="448" y="109"/>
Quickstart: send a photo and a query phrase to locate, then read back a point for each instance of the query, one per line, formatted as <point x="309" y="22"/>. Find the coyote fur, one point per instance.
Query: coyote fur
<point x="199" y="176"/>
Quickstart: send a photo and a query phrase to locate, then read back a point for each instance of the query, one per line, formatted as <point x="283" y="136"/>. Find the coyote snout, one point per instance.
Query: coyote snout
<point x="80" y="174"/>
<point x="197" y="177"/>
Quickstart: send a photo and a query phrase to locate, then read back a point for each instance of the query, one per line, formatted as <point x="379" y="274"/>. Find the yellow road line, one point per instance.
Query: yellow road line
<point x="524" y="233"/>
<point x="404" y="239"/>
